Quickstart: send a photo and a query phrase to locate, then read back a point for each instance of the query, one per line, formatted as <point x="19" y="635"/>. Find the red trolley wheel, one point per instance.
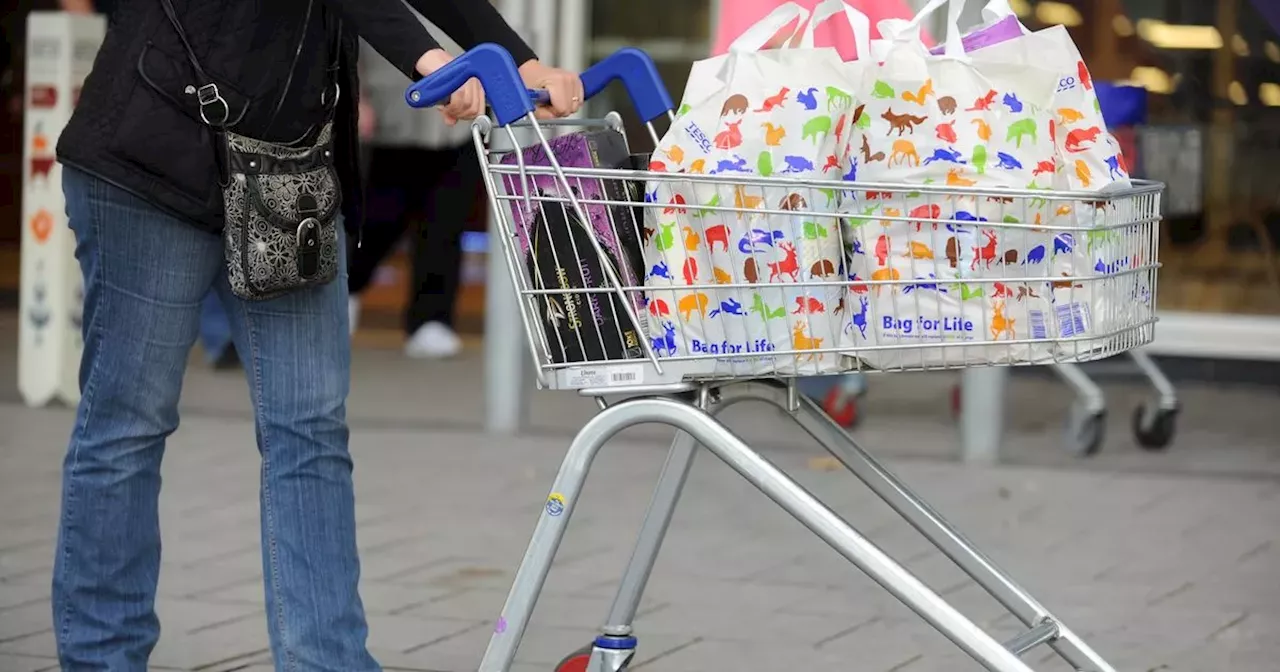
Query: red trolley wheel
<point x="576" y="661"/>
<point x="842" y="407"/>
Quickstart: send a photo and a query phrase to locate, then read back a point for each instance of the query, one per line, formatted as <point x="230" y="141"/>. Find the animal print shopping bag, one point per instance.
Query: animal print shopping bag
<point x="944" y="120"/>
<point x="752" y="113"/>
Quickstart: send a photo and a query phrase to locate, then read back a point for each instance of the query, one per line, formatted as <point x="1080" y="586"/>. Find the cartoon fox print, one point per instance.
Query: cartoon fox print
<point x="901" y="122"/>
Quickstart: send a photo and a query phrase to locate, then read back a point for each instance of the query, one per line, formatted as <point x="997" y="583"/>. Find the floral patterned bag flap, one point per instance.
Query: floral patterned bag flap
<point x="281" y="207"/>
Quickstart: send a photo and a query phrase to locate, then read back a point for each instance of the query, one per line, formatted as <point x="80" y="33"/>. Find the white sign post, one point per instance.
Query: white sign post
<point x="60" y="52"/>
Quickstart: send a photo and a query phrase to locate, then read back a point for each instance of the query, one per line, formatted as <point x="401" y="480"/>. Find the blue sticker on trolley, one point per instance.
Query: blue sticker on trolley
<point x="555" y="504"/>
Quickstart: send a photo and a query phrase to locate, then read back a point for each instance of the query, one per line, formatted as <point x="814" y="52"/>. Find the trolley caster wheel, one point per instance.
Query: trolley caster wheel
<point x="842" y="407"/>
<point x="576" y="661"/>
<point x="1085" y="432"/>
<point x="1153" y="426"/>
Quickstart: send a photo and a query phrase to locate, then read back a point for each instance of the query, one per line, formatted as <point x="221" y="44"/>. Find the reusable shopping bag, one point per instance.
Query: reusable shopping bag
<point x="949" y="121"/>
<point x="783" y="112"/>
<point x="1089" y="158"/>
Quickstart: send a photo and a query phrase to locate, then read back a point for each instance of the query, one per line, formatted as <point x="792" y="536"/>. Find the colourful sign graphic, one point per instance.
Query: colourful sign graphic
<point x="44" y="96"/>
<point x="41" y="225"/>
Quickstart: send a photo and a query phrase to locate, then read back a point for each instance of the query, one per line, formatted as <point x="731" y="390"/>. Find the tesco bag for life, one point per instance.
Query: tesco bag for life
<point x="1089" y="158"/>
<point x="949" y="121"/>
<point x="781" y="112"/>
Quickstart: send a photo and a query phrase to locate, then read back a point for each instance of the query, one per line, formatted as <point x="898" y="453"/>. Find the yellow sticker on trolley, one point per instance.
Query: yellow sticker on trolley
<point x="555" y="504"/>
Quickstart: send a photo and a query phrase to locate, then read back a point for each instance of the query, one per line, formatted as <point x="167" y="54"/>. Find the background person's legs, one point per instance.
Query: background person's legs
<point x="386" y="201"/>
<point x="437" y="253"/>
<point x="145" y="274"/>
<point x="297" y="355"/>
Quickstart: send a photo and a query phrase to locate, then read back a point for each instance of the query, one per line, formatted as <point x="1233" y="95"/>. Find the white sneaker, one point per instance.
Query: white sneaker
<point x="433" y="340"/>
<point x="353" y="313"/>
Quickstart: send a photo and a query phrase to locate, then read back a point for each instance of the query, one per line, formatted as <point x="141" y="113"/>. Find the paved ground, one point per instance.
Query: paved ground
<point x="1168" y="562"/>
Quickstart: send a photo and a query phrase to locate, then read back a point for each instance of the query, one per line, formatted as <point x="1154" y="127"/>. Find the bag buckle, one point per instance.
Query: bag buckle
<point x="307" y="237"/>
<point x="209" y="96"/>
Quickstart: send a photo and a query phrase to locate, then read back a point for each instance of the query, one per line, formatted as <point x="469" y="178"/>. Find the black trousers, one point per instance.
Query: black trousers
<point x="430" y="193"/>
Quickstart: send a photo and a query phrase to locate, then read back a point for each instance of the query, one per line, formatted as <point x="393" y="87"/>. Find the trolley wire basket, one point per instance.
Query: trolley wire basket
<point x="609" y="322"/>
<point x="1023" y="276"/>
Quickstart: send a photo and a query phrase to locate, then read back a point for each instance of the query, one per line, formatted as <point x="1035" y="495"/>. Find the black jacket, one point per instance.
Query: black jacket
<point x="137" y="127"/>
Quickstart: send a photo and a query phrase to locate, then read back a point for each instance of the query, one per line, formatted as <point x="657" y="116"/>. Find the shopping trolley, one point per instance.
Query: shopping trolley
<point x="1153" y="421"/>
<point x="650" y="389"/>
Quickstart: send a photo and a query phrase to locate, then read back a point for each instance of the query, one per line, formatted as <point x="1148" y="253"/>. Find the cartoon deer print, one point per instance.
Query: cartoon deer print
<point x="986" y="253"/>
<point x="999" y="323"/>
<point x="955" y="179"/>
<point x="802" y="341"/>
<point x="904" y="152"/>
<point x="666" y="343"/>
<point x="860" y="317"/>
<point x="789" y="266"/>
<point x="743" y="201"/>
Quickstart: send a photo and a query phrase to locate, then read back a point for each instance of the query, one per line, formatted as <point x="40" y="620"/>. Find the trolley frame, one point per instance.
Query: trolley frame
<point x="693" y="414"/>
<point x="691" y="405"/>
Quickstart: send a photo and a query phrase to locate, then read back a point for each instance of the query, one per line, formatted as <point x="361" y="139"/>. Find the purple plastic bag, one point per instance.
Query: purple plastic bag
<point x="1001" y="31"/>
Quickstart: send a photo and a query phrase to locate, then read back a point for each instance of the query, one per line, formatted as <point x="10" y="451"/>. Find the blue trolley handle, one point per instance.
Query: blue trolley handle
<point x="511" y="101"/>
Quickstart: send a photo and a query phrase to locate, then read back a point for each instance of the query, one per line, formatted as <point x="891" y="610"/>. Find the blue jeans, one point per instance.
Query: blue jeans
<point x="145" y="275"/>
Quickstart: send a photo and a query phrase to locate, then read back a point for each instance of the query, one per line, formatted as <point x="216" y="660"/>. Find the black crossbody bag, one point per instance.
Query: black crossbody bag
<point x="281" y="201"/>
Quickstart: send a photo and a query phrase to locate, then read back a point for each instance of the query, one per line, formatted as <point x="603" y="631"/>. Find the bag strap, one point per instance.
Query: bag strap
<point x="208" y="95"/>
<point x="757" y="36"/>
